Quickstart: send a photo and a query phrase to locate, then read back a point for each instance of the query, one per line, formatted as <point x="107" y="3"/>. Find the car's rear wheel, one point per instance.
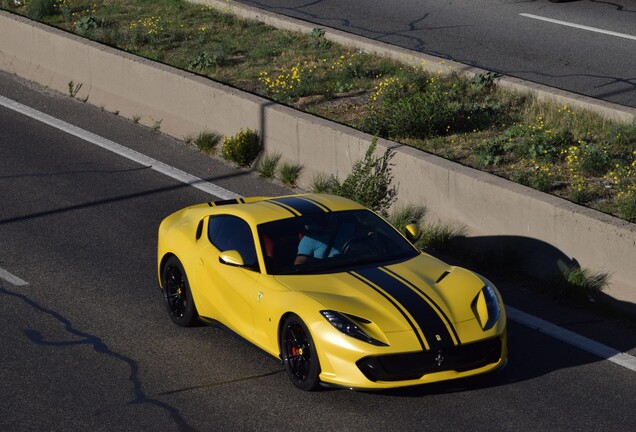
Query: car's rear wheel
<point x="177" y="294"/>
<point x="299" y="354"/>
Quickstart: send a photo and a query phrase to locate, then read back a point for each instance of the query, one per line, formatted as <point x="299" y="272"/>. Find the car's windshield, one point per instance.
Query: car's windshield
<point x="329" y="242"/>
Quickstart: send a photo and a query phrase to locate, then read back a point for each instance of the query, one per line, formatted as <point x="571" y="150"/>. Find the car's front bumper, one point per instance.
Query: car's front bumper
<point x="401" y="369"/>
<point x="413" y="366"/>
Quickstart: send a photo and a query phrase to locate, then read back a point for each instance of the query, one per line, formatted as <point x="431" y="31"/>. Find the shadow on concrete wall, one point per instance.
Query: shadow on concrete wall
<point x="525" y="257"/>
<point x="514" y="255"/>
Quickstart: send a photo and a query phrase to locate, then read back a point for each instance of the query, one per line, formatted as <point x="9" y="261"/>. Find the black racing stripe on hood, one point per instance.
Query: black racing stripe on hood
<point x="302" y="206"/>
<point x="431" y="302"/>
<point x="390" y="300"/>
<point x="429" y="321"/>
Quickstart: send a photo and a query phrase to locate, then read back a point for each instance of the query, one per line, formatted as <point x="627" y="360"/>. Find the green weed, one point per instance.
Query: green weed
<point x="268" y="164"/>
<point x="289" y="173"/>
<point x="322" y="183"/>
<point x="207" y="141"/>
<point x="577" y="285"/>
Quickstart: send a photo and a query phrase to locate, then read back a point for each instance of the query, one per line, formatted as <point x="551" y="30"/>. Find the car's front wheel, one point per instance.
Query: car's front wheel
<point x="299" y="354"/>
<point x="177" y="294"/>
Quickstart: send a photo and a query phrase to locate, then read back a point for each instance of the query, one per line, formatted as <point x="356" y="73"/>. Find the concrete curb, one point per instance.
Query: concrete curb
<point x="541" y="230"/>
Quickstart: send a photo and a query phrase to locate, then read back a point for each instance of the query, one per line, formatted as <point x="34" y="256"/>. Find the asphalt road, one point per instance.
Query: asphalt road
<point x="87" y="345"/>
<point x="590" y="49"/>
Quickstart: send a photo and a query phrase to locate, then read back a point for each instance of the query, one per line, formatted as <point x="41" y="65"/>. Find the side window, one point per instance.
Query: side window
<point x="232" y="233"/>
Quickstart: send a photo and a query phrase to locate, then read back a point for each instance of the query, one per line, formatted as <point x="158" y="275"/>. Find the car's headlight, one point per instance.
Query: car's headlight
<point x="486" y="307"/>
<point x="348" y="327"/>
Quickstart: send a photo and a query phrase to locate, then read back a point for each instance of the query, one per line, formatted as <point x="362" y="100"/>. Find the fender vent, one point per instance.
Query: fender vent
<point x="441" y="278"/>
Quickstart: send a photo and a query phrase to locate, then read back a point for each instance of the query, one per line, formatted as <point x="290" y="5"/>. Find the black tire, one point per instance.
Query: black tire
<point x="299" y="354"/>
<point x="177" y="294"/>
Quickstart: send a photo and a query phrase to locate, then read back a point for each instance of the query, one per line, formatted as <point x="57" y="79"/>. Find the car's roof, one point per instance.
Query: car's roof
<point x="258" y="210"/>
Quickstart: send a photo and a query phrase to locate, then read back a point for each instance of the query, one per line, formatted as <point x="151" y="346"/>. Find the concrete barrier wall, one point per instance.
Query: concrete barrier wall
<point x="184" y="103"/>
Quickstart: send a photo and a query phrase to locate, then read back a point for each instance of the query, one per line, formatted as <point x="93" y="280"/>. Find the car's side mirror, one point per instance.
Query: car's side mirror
<point x="232" y="257"/>
<point x="412" y="232"/>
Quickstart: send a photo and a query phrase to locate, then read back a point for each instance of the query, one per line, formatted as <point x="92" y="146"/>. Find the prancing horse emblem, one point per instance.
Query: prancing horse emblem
<point x="439" y="358"/>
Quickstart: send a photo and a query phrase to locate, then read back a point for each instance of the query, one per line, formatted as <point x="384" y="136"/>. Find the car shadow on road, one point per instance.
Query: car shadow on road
<point x="532" y="355"/>
<point x="510" y="261"/>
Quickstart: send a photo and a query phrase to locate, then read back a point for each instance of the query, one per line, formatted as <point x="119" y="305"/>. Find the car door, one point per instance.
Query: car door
<point x="230" y="290"/>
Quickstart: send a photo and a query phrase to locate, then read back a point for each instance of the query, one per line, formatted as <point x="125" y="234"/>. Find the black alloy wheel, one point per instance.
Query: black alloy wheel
<point x="299" y="354"/>
<point x="177" y="294"/>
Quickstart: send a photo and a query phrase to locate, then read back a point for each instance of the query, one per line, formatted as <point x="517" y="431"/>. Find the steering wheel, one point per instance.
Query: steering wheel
<point x="356" y="242"/>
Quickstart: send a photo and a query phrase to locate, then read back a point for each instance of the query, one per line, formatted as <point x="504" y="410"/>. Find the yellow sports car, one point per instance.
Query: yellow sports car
<point x="331" y="289"/>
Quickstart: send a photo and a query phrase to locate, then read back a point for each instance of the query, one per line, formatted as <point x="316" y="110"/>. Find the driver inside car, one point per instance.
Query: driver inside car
<point x="324" y="238"/>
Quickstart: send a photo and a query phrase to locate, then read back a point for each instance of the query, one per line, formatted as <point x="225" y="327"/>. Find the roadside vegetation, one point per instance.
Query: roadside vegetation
<point x="572" y="154"/>
<point x="575" y="155"/>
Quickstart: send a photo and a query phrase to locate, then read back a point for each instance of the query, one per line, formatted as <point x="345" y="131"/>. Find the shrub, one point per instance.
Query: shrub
<point x="38" y="9"/>
<point x="419" y="115"/>
<point x="242" y="148"/>
<point x="595" y="161"/>
<point x="369" y="182"/>
<point x="627" y="207"/>
<point x="427" y="107"/>
<point x="588" y="159"/>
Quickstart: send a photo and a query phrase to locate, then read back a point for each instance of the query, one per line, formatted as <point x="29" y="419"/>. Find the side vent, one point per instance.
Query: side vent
<point x="441" y="278"/>
<point x="226" y="202"/>
<point x="199" y="230"/>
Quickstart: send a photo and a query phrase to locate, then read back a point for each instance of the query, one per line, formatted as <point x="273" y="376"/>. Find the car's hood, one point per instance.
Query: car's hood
<point x="421" y="292"/>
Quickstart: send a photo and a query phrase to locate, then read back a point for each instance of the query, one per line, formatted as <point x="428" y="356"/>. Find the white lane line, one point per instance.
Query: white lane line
<point x="569" y="337"/>
<point x="140" y="158"/>
<point x="12" y="279"/>
<point x="578" y="26"/>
